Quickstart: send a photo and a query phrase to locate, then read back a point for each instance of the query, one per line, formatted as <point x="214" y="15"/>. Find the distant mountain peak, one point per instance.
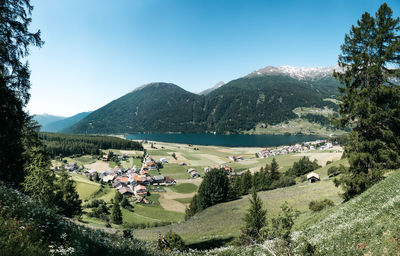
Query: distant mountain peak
<point x="296" y="72"/>
<point x="207" y="91"/>
<point x="155" y="84"/>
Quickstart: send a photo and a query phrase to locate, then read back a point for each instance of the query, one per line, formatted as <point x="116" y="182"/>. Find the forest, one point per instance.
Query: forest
<point x="237" y="106"/>
<point x="70" y="144"/>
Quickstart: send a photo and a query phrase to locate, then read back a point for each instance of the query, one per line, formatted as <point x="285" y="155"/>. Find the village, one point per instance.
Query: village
<point x="134" y="182"/>
<point x="304" y="147"/>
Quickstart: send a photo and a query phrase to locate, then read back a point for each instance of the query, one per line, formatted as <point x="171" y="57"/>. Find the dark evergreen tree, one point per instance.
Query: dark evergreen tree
<point x="175" y="241"/>
<point x="247" y="182"/>
<point x="15" y="39"/>
<point x="237" y="187"/>
<point x="125" y="203"/>
<point x="193" y="207"/>
<point x="96" y="177"/>
<point x="371" y="99"/>
<point x="255" y="220"/>
<point x="214" y="188"/>
<point x="274" y="167"/>
<point x="118" y="197"/>
<point x="70" y="205"/>
<point x="116" y="214"/>
<point x="303" y="166"/>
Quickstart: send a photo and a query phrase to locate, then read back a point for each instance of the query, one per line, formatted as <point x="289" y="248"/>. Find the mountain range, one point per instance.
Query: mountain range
<point x="50" y="123"/>
<point x="268" y="95"/>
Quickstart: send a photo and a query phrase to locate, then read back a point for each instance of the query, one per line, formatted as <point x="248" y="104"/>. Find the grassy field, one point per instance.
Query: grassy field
<point x="84" y="186"/>
<point x="354" y="227"/>
<point x="184" y="188"/>
<point x="82" y="160"/>
<point x="223" y="221"/>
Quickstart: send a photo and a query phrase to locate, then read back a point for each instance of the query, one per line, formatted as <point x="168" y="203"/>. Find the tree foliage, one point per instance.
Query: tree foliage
<point x="68" y="144"/>
<point x="255" y="219"/>
<point x="239" y="105"/>
<point x="175" y="241"/>
<point x="70" y="205"/>
<point x="303" y="166"/>
<point x="116" y="214"/>
<point x="219" y="188"/>
<point x="214" y="188"/>
<point x="371" y="99"/>
<point x="15" y="40"/>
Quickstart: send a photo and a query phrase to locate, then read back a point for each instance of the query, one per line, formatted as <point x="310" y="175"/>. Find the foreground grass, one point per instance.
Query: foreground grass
<point x="366" y="225"/>
<point x="223" y="221"/>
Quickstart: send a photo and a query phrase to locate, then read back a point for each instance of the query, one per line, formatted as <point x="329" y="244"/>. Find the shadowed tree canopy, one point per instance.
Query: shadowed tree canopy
<point x="370" y="105"/>
<point x="15" y="39"/>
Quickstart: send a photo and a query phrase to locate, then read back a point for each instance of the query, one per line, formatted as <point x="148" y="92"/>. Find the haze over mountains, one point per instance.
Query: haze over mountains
<point x="267" y="95"/>
<point x="51" y="123"/>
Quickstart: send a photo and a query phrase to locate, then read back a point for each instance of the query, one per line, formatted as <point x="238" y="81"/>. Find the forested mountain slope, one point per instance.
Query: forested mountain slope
<point x="267" y="97"/>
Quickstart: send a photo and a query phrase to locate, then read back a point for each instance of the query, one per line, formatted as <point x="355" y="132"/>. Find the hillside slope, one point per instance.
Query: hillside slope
<point x="263" y="97"/>
<point x="45" y="119"/>
<point x="59" y="125"/>
<point x="366" y="225"/>
<point x="155" y="107"/>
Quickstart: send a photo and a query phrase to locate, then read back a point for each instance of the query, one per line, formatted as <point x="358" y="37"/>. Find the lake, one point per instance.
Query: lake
<point x="233" y="140"/>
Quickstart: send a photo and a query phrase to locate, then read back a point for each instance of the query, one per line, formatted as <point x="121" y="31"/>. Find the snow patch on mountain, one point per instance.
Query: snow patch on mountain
<point x="296" y="72"/>
<point x="207" y="91"/>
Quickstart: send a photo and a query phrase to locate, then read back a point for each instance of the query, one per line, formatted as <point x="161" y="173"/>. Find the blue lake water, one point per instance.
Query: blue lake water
<point x="233" y="140"/>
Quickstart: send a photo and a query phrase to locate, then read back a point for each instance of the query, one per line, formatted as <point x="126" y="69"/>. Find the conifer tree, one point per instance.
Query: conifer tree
<point x="70" y="205"/>
<point x="118" y="197"/>
<point x="247" y="182"/>
<point x="214" y="188"/>
<point x="193" y="207"/>
<point x="371" y="100"/>
<point x="15" y="39"/>
<point x="237" y="187"/>
<point x="255" y="220"/>
<point x="116" y="214"/>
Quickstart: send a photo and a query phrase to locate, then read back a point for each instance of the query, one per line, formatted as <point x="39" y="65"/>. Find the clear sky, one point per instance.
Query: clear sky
<point x="96" y="51"/>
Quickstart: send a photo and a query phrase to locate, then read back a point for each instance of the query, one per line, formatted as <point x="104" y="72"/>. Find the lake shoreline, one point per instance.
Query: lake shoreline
<point x="233" y="140"/>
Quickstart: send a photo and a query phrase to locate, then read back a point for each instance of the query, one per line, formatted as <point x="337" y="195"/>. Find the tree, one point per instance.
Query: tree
<point x="175" y="241"/>
<point x="255" y="220"/>
<point x="214" y="188"/>
<point x="15" y="39"/>
<point x="125" y="203"/>
<point x="282" y="225"/>
<point x="118" y="197"/>
<point x="247" y="182"/>
<point x="116" y="214"/>
<point x="193" y="207"/>
<point x="40" y="184"/>
<point x="370" y="99"/>
<point x="96" y="177"/>
<point x="70" y="205"/>
<point x="303" y="166"/>
<point x="274" y="167"/>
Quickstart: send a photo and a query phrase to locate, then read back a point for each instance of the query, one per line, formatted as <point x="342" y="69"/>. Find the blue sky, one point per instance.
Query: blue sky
<point x="96" y="51"/>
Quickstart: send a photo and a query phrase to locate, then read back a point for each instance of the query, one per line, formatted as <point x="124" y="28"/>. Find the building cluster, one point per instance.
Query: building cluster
<point x="306" y="146"/>
<point x="134" y="181"/>
<point x="236" y="158"/>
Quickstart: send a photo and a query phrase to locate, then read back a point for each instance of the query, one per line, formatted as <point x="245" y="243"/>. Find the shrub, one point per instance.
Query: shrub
<point x="175" y="241"/>
<point x="317" y="206"/>
<point x="303" y="166"/>
<point x="334" y="170"/>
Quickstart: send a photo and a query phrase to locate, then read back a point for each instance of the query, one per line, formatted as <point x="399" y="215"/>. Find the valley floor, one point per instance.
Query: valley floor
<point x="219" y="223"/>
